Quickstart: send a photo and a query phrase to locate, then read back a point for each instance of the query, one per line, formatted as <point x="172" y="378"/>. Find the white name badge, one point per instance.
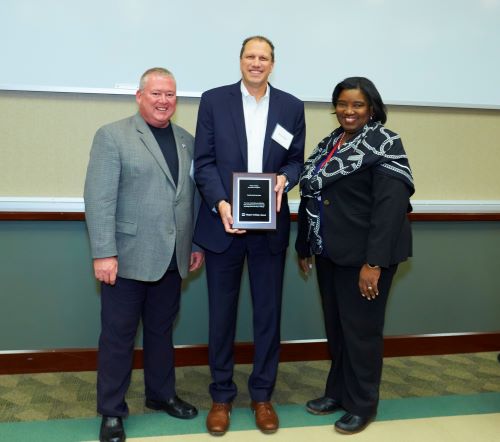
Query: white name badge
<point x="282" y="136"/>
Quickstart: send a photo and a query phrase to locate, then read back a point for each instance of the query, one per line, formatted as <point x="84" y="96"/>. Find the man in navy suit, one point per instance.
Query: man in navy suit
<point x="249" y="126"/>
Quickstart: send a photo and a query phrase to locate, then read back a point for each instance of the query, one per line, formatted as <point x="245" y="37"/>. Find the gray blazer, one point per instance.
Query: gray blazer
<point x="132" y="207"/>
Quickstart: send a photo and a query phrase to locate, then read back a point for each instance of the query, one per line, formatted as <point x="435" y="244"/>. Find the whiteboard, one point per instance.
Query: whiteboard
<point x="417" y="52"/>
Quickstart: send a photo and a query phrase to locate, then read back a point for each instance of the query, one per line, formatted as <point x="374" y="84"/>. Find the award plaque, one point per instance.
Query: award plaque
<point x="254" y="201"/>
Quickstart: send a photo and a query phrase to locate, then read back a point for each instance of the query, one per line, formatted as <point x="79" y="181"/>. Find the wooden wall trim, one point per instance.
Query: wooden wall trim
<point x="42" y="361"/>
<point x="42" y="216"/>
<point x="80" y="216"/>
<point x="454" y="216"/>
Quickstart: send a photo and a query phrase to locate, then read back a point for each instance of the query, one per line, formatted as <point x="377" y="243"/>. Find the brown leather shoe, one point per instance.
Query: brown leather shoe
<point x="218" y="418"/>
<point x="266" y="418"/>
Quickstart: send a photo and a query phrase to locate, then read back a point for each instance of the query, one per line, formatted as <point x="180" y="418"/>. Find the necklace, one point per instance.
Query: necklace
<point x="334" y="149"/>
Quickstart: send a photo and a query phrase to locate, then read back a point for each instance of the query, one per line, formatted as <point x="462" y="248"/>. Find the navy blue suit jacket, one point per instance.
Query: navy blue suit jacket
<point x="221" y="149"/>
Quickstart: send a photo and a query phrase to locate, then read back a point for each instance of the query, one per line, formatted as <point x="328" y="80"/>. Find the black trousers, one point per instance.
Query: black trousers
<point x="122" y="307"/>
<point x="354" y="329"/>
<point x="224" y="272"/>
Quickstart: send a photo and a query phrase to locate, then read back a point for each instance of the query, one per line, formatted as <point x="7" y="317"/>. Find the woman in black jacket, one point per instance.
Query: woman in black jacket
<point x="355" y="192"/>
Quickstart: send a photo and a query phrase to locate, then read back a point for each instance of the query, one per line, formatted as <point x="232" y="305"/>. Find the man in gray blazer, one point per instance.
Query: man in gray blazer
<point x="139" y="207"/>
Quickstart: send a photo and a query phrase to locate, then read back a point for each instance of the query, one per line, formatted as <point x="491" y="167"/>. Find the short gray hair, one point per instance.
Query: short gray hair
<point x="159" y="71"/>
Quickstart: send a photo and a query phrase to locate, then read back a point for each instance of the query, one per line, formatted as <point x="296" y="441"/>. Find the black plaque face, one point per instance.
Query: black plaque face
<point x="254" y="201"/>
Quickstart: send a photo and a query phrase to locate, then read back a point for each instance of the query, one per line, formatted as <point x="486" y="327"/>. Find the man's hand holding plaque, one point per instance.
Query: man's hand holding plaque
<point x="224" y="209"/>
<point x="281" y="183"/>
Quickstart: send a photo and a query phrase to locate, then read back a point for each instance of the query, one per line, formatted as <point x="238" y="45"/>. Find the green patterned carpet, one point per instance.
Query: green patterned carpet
<point x="38" y="397"/>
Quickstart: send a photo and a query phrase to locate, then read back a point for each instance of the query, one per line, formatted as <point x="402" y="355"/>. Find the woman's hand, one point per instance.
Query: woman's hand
<point x="368" y="281"/>
<point x="305" y="264"/>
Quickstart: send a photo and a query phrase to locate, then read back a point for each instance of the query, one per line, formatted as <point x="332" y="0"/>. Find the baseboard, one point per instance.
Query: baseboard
<point x="416" y="216"/>
<point x="43" y="361"/>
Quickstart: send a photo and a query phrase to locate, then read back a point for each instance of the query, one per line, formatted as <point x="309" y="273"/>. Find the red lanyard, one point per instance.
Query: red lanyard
<point x="334" y="148"/>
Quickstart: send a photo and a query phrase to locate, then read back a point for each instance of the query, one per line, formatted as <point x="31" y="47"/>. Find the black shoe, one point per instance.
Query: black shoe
<point x="175" y="406"/>
<point x="350" y="423"/>
<point x="111" y="429"/>
<point x="322" y="405"/>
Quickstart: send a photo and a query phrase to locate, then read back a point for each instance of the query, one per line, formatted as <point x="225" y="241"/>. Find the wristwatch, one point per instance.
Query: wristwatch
<point x="373" y="266"/>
